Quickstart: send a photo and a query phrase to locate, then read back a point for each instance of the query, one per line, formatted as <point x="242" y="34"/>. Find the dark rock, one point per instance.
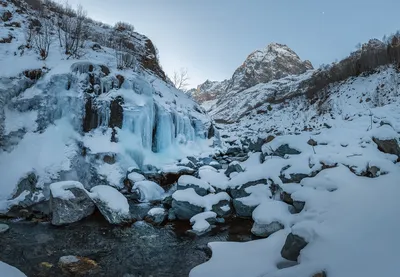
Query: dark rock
<point x="326" y="125"/>
<point x="109" y="158"/>
<point x="284" y="149"/>
<point x="216" y="165"/>
<point x="138" y="211"/>
<point x="167" y="201"/>
<point x="292" y="247"/>
<point x="372" y="171"/>
<point x="389" y="146"/>
<point x="157" y="218"/>
<point x="241" y="209"/>
<point x="239" y="192"/>
<point x="233" y="167"/>
<point x="299" y="205"/>
<point x="312" y="142"/>
<point x="33" y="74"/>
<point x="96" y="47"/>
<point x="293" y="178"/>
<point x="6" y="16"/>
<point x="265" y="230"/>
<point x="105" y="69"/>
<point x="183" y="210"/>
<point x="320" y="274"/>
<point x="28" y="183"/>
<point x="199" y="190"/>
<point x="71" y="210"/>
<point x="90" y="120"/>
<point x="217" y="208"/>
<point x="116" y="112"/>
<point x="262" y="157"/>
<point x="211" y="132"/>
<point x="233" y="150"/>
<point x="121" y="80"/>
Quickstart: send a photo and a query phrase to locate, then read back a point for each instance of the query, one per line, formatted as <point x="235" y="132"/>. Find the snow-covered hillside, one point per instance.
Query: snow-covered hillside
<point x="85" y="119"/>
<point x="208" y="92"/>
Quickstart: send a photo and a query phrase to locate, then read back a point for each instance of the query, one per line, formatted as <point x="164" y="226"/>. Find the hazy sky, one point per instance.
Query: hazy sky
<point x="213" y="37"/>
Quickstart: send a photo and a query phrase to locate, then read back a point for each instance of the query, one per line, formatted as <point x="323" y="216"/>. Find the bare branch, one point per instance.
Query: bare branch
<point x="181" y="78"/>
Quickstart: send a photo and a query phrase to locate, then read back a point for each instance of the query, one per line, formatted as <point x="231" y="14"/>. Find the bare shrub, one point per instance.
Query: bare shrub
<point x="42" y="37"/>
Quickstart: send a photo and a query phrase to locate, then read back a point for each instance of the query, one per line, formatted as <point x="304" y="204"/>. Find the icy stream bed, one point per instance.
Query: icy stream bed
<point x="138" y="250"/>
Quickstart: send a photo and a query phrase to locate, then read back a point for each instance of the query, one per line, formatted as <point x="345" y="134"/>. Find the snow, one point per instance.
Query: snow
<point x="10" y="271"/>
<point x="269" y="211"/>
<point x="156" y="211"/>
<point x="199" y="221"/>
<point x="186" y="180"/>
<point x="115" y="200"/>
<point x="136" y="177"/>
<point x="61" y="189"/>
<point x="207" y="201"/>
<point x="258" y="194"/>
<point x="384" y="132"/>
<point x="149" y="191"/>
<point x="215" y="178"/>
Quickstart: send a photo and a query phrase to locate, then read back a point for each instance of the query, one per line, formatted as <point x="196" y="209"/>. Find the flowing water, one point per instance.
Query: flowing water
<point x="138" y="250"/>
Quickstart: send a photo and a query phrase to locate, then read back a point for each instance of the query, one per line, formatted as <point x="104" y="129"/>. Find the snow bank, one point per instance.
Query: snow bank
<point x="207" y="201"/>
<point x="270" y="210"/>
<point x="61" y="189"/>
<point x="10" y="271"/>
<point x="136" y="177"/>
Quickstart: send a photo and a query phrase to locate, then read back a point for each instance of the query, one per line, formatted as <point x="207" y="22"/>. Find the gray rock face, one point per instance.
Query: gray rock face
<point x="233" y="167"/>
<point x="209" y="90"/>
<point x="241" y="191"/>
<point x="220" y="210"/>
<point x="292" y="247"/>
<point x="183" y="210"/>
<point x="265" y="230"/>
<point x="4" y="228"/>
<point x="243" y="210"/>
<point x="262" y="66"/>
<point x="71" y="210"/>
<point x="284" y="149"/>
<point x="389" y="146"/>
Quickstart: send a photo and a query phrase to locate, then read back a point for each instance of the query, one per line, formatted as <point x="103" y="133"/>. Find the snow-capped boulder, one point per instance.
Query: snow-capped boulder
<point x="243" y="208"/>
<point x="69" y="202"/>
<point x="292" y="247"/>
<point x="257" y="194"/>
<point x="238" y="191"/>
<point x="296" y="206"/>
<point x="111" y="203"/>
<point x="201" y="222"/>
<point x="4" y="228"/>
<point x="148" y="191"/>
<point x="157" y="215"/>
<point x="223" y="208"/>
<point x="187" y="203"/>
<point x="285" y="149"/>
<point x="233" y="167"/>
<point x="216" y="165"/>
<point x="136" y="177"/>
<point x="10" y="271"/>
<point x="265" y="230"/>
<point x="201" y="187"/>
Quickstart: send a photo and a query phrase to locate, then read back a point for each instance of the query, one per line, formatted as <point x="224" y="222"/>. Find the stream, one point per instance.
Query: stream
<point x="137" y="250"/>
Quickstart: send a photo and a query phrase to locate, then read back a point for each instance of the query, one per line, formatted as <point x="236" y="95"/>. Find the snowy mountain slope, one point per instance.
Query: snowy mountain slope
<point x="274" y="62"/>
<point x="84" y="119"/>
<point x="208" y="91"/>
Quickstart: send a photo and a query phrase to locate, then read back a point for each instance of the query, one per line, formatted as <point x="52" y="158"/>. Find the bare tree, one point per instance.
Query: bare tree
<point x="181" y="78"/>
<point x="42" y="37"/>
<point x="71" y="30"/>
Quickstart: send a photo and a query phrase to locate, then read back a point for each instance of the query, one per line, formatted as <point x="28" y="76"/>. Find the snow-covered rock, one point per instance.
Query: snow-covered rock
<point x="69" y="202"/>
<point x="201" y="222"/>
<point x="233" y="167"/>
<point x="148" y="191"/>
<point x="157" y="215"/>
<point x="201" y="187"/>
<point x="111" y="203"/>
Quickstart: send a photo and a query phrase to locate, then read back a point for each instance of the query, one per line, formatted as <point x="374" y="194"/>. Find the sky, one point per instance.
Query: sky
<point x="211" y="38"/>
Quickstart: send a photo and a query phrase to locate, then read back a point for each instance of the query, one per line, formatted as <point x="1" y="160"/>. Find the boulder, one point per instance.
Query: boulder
<point x="312" y="142"/>
<point x="233" y="167"/>
<point x="201" y="187"/>
<point x="222" y="208"/>
<point x="69" y="203"/>
<point x="232" y="151"/>
<point x="292" y="247"/>
<point x="216" y="165"/>
<point x="240" y="191"/>
<point x="285" y="149"/>
<point x="184" y="210"/>
<point x="157" y="216"/>
<point x="293" y="178"/>
<point x="265" y="230"/>
<point x="389" y="146"/>
<point x="241" y="209"/>
<point x="111" y="203"/>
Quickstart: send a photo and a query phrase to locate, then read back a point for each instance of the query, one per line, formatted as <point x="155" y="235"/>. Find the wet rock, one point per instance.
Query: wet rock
<point x="389" y="146"/>
<point x="233" y="167"/>
<point x="292" y="247"/>
<point x="241" y="209"/>
<point x="265" y="230"/>
<point x="77" y="266"/>
<point x="285" y="149"/>
<point x="157" y="216"/>
<point x="66" y="211"/>
<point x="240" y="191"/>
<point x="138" y="211"/>
<point x="4" y="228"/>
<point x="183" y="210"/>
<point x="222" y="208"/>
<point x="167" y="201"/>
